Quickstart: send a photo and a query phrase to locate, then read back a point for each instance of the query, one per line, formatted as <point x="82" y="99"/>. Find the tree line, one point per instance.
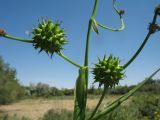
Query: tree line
<point x="44" y="90"/>
<point x="11" y="90"/>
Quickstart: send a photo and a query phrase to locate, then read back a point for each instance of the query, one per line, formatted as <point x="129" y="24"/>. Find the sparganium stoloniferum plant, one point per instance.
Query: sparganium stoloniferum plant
<point x="48" y="36"/>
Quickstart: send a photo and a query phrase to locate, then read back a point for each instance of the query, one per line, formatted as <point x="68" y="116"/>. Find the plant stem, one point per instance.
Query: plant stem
<point x="18" y="39"/>
<point x="89" y="31"/>
<point x="120" y="100"/>
<point x="142" y="45"/>
<point x="69" y="60"/>
<point x="113" y="29"/>
<point x="138" y="51"/>
<point x="99" y="103"/>
<point x="87" y="50"/>
<point x="88" y="40"/>
<point x="122" y="21"/>
<point x="114" y="6"/>
<point x="79" y="96"/>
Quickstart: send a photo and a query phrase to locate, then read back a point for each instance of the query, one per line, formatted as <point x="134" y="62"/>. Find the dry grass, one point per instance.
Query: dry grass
<point x="35" y="109"/>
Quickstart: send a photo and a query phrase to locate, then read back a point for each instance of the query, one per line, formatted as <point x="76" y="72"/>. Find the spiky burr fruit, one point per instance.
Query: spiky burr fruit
<point x="108" y="71"/>
<point x="49" y="37"/>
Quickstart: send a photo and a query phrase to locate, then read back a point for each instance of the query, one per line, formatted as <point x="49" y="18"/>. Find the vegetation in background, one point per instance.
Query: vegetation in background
<point x="142" y="107"/>
<point x="13" y="117"/>
<point x="10" y="89"/>
<point x="58" y="115"/>
<point x="44" y="90"/>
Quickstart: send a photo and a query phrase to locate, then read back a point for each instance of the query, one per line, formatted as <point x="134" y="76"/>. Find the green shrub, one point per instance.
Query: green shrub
<point x="10" y="89"/>
<point x="14" y="117"/>
<point x="152" y="86"/>
<point x="57" y="115"/>
<point x="142" y="107"/>
<point x="147" y="105"/>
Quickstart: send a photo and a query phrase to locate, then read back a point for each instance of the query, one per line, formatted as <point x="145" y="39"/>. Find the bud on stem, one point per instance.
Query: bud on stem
<point x="2" y="32"/>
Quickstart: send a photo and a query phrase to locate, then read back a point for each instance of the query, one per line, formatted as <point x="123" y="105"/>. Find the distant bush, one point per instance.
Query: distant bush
<point x="56" y="92"/>
<point x="14" y="117"/>
<point x="10" y="89"/>
<point x="142" y="107"/>
<point x="68" y="92"/>
<point x="152" y="86"/>
<point x="57" y="115"/>
<point x="119" y="90"/>
<point x="147" y="105"/>
<point x="44" y="90"/>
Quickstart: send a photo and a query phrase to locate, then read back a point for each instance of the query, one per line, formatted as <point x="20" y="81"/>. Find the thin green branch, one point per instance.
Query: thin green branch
<point x="18" y="39"/>
<point x="69" y="60"/>
<point x="99" y="103"/>
<point x="120" y="100"/>
<point x="142" y="45"/>
<point x="89" y="31"/>
<point x="88" y="39"/>
<point x="121" y="19"/>
<point x="87" y="49"/>
<point x="115" y="8"/>
<point x="113" y="29"/>
<point x="138" y="51"/>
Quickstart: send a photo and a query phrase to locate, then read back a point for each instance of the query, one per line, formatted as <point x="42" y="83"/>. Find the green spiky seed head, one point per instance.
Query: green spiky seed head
<point x="108" y="71"/>
<point x="49" y="37"/>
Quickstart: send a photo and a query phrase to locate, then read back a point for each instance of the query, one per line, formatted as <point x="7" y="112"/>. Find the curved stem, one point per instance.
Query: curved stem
<point x="18" y="39"/>
<point x="120" y="100"/>
<point x="121" y="19"/>
<point x="142" y="45"/>
<point x="113" y="29"/>
<point x="69" y="60"/>
<point x="138" y="51"/>
<point x="99" y="103"/>
<point x="114" y="6"/>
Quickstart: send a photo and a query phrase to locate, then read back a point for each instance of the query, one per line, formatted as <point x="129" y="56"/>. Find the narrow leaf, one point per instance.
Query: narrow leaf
<point x="79" y="94"/>
<point x="95" y="26"/>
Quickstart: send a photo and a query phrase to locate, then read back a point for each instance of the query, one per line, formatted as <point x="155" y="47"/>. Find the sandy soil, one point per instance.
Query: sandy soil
<point x="35" y="109"/>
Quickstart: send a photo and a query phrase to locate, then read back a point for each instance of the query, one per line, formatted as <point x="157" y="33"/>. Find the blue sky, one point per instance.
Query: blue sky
<point x="20" y="16"/>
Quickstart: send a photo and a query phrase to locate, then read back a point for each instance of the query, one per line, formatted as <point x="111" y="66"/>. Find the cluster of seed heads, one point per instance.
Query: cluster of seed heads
<point x="108" y="71"/>
<point x="49" y="37"/>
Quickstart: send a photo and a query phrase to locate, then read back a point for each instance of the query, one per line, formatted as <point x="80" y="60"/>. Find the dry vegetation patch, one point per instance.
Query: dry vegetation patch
<point x="36" y="108"/>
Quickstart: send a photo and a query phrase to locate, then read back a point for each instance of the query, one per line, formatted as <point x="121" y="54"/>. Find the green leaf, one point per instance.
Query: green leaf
<point x="80" y="96"/>
<point x="95" y="26"/>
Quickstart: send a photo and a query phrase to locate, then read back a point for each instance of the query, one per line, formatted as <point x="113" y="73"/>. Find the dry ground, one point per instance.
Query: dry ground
<point x="35" y="109"/>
